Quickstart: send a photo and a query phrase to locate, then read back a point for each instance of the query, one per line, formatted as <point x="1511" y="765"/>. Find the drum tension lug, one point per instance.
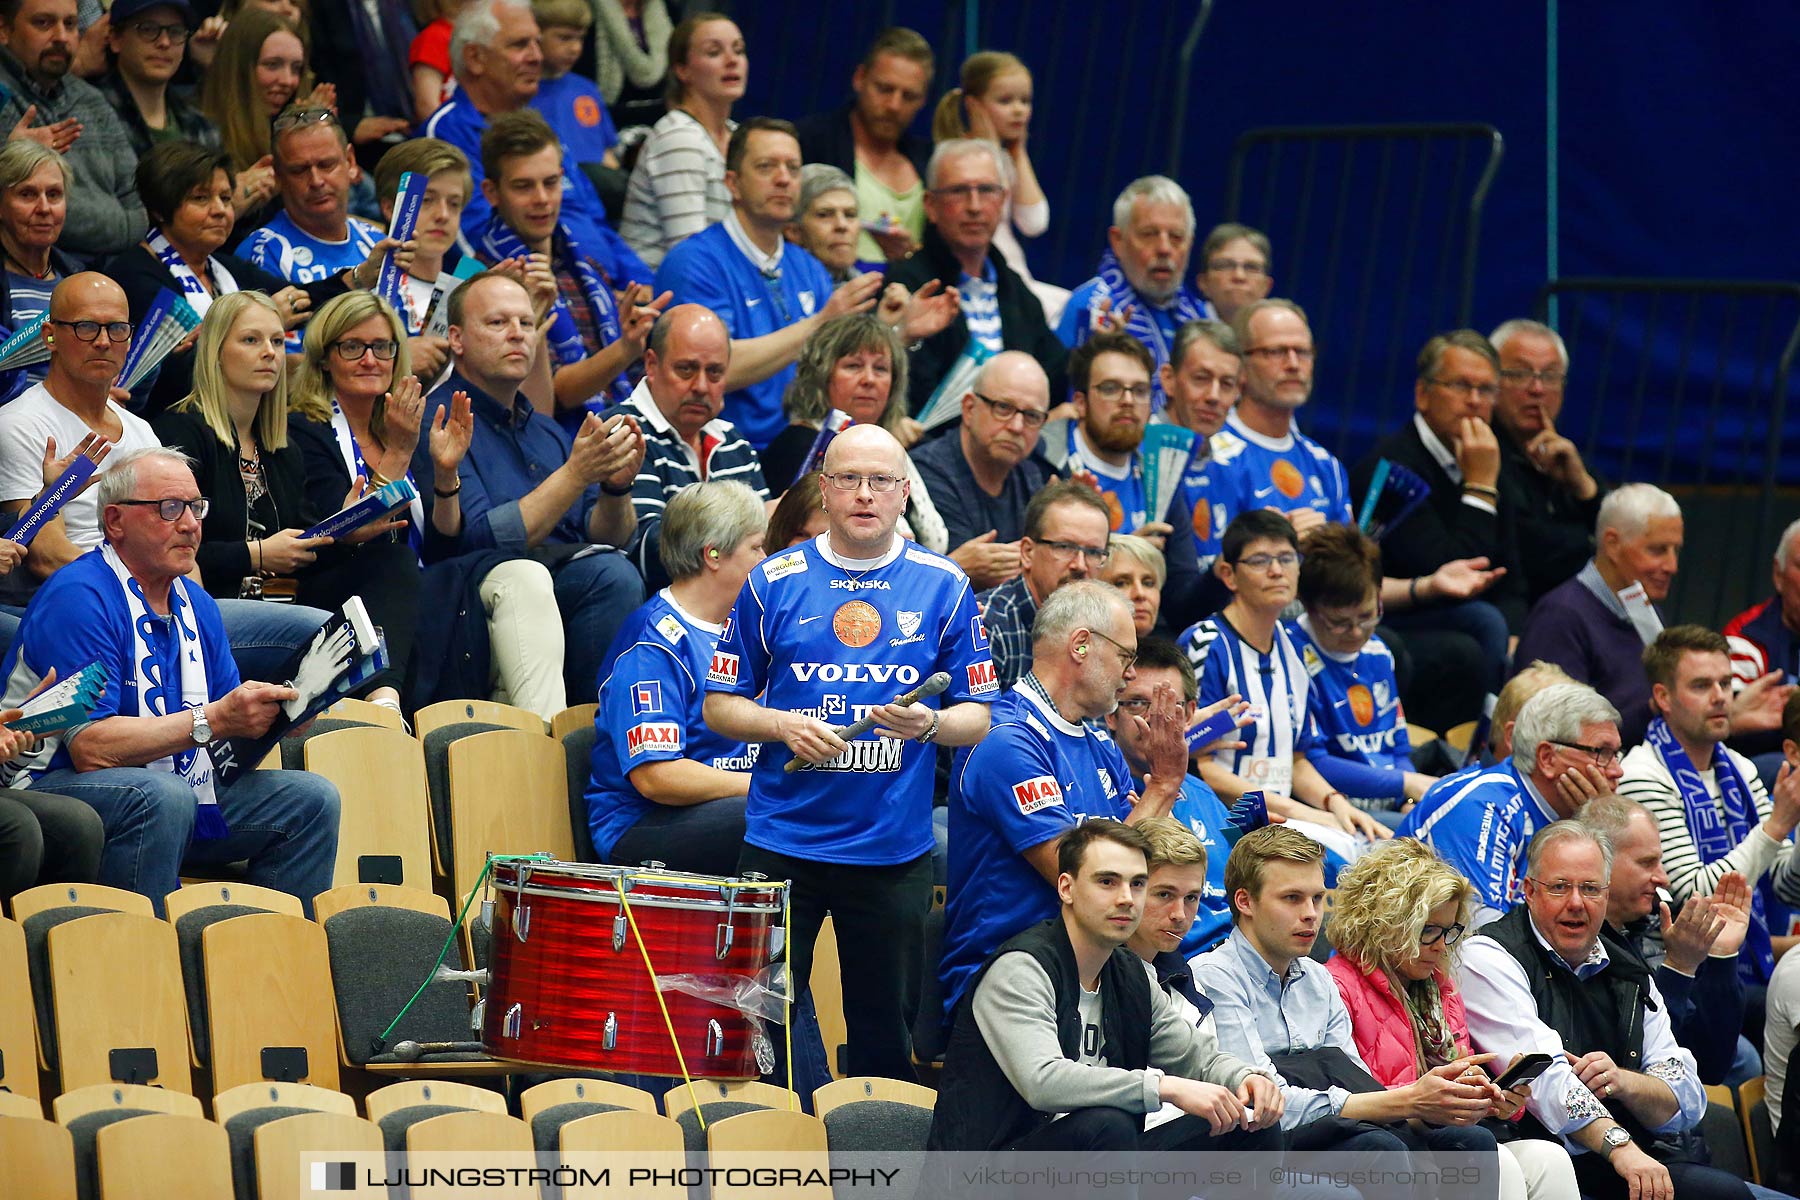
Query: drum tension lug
<point x="722" y="941"/>
<point x="513" y="1022"/>
<point x="522" y="922"/>
<point x="619" y="925"/>
<point x="715" y="1039"/>
<point x="610" y="1034"/>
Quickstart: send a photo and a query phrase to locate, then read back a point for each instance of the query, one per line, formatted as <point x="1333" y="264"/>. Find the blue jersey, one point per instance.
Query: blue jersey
<point x="80" y="617"/>
<point x="1364" y="751"/>
<point x="283" y="248"/>
<point x="574" y="108"/>
<point x="652" y="683"/>
<point x="1204" y="503"/>
<point x="1033" y="777"/>
<point x="1275" y="684"/>
<point x="1481" y="824"/>
<point x="1121" y="488"/>
<point x="1294" y="472"/>
<point x="1200" y="809"/>
<point x="809" y="635"/>
<point x="710" y="268"/>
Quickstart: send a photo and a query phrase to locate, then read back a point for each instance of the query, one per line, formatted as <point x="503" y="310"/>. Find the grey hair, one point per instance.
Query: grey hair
<point x="1506" y="331"/>
<point x="120" y="478"/>
<point x="1081" y="604"/>
<point x="816" y="179"/>
<point x="1611" y="815"/>
<point x="1569" y="830"/>
<point x="1204" y="330"/>
<point x="1142" y="551"/>
<point x="20" y="159"/>
<point x="1159" y="189"/>
<point x="962" y="148"/>
<point x="1557" y="714"/>
<point x="1631" y="508"/>
<point x="1784" y="549"/>
<point x="720" y="514"/>
<point x="477" y="25"/>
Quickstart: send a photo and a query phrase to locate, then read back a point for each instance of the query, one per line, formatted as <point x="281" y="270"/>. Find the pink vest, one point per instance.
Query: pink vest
<point x="1379" y="1021"/>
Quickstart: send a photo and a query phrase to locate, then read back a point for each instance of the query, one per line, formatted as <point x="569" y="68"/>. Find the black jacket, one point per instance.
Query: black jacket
<point x="1558" y="529"/>
<point x="1444" y="528"/>
<point x="1022" y="324"/>
<point x="977" y="1106"/>
<point x="225" y="535"/>
<point x="826" y="137"/>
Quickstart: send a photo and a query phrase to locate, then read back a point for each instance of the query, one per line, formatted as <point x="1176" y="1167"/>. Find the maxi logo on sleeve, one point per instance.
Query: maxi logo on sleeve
<point x="724" y="668"/>
<point x="1037" y="793"/>
<point x="653" y="735"/>
<point x="982" y="679"/>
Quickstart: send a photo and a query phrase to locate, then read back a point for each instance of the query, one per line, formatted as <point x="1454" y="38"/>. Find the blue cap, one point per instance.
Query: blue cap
<point x="125" y="10"/>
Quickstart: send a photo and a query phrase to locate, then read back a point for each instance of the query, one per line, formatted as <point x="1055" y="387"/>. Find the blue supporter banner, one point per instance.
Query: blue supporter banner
<point x="408" y="200"/>
<point x="68" y="485"/>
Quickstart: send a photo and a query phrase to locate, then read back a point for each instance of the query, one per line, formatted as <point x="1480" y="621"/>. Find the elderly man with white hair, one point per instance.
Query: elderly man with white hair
<point x="965" y="195"/>
<point x="1596" y="625"/>
<point x="498" y="62"/>
<point x="1139" y="281"/>
<point x="1555" y="496"/>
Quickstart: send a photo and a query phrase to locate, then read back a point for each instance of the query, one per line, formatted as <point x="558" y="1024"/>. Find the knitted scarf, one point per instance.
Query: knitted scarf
<point x="617" y="56"/>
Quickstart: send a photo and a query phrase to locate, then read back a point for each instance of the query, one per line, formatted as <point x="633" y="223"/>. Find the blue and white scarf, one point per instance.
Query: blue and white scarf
<point x="498" y="241"/>
<point x="1140" y="325"/>
<point x="158" y="697"/>
<point x="198" y="298"/>
<point x="357" y="465"/>
<point x="1717" y="833"/>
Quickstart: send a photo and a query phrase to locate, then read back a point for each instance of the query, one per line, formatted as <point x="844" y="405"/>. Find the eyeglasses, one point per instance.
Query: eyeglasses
<point x="984" y="192"/>
<point x="1562" y="887"/>
<point x="294" y="118"/>
<point x="1127" y="656"/>
<point x="171" y="509"/>
<point x="1227" y="265"/>
<point x="1448" y="934"/>
<point x="1229" y="385"/>
<point x="1521" y="377"/>
<point x="1280" y="353"/>
<point x="1137" y="706"/>
<point x="1465" y="387"/>
<point x="1346" y="626"/>
<point x="1112" y="389"/>
<point x="89" y="331"/>
<point x="351" y="349"/>
<point x="1004" y="411"/>
<point x="850" y="481"/>
<point x="1287" y="560"/>
<point x="1602" y="756"/>
<point x="150" y="33"/>
<point x="1095" y="555"/>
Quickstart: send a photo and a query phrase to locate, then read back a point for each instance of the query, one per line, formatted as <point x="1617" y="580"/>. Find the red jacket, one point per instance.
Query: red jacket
<point x="1384" y="1035"/>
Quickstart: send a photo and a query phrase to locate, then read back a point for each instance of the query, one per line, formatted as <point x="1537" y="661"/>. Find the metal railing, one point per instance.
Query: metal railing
<point x="1376" y="232"/>
<point x="1684" y="383"/>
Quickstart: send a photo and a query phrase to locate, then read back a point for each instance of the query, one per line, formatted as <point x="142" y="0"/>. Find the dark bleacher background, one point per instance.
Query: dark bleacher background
<point x="1676" y="161"/>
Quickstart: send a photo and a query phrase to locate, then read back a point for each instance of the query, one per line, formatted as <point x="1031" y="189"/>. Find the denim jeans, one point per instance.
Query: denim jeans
<point x="284" y="822"/>
<point x="264" y="635"/>
<point x="595" y="594"/>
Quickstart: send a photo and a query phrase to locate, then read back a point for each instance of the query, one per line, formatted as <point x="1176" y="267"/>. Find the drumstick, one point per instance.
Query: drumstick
<point x="931" y="687"/>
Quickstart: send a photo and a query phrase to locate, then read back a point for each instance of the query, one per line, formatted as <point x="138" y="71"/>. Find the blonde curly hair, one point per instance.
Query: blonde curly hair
<point x="1384" y="901"/>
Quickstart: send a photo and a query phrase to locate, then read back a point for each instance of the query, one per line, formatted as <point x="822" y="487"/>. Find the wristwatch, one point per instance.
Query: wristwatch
<point x="925" y="739"/>
<point x="203" y="734"/>
<point x="1612" y="1139"/>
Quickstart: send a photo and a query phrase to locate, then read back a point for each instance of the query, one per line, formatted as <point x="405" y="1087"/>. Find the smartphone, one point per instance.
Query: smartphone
<point x="1525" y="1068"/>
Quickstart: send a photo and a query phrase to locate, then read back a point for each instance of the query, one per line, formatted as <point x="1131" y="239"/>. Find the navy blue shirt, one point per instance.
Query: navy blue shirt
<point x="514" y="449"/>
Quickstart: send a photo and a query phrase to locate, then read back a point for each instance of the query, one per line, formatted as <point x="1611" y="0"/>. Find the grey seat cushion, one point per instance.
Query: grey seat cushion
<point x="693" y="1137"/>
<point x="190" y="931"/>
<point x="437" y="774"/>
<point x="82" y="1131"/>
<point x="37" y="957"/>
<point x="877" y="1125"/>
<point x="578" y="754"/>
<point x="241" y="1130"/>
<point x="396" y="1123"/>
<point x="293" y="746"/>
<point x="546" y="1127"/>
<point x="379" y="956"/>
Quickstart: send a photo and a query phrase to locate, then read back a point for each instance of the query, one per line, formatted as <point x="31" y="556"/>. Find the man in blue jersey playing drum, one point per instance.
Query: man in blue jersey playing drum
<point x="822" y="635"/>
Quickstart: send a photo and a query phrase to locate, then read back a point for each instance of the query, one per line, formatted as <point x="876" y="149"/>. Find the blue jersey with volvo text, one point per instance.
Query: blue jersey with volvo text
<point x="1033" y="777"/>
<point x="833" y="638"/>
<point x="652" y="684"/>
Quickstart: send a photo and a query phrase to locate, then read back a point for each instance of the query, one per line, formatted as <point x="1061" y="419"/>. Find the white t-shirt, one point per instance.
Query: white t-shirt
<point x="26" y="426"/>
<point x="1781" y="1030"/>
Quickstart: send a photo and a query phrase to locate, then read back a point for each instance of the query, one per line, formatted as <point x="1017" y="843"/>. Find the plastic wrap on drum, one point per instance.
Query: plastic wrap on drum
<point x="761" y="997"/>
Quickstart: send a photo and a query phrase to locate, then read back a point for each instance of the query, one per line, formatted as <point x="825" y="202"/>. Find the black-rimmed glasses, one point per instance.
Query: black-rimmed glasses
<point x="171" y="509"/>
<point x="89" y="331"/>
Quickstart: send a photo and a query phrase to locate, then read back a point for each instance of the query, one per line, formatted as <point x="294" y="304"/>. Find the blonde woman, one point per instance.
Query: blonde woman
<point x="1396" y="919"/>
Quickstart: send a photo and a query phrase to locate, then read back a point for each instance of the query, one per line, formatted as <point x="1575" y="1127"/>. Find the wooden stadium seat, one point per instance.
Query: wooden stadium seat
<point x="448" y="712"/>
<point x="194" y="896"/>
<point x="116" y="986"/>
<point x="1419" y="735"/>
<point x="12" y="1104"/>
<point x="246" y="1097"/>
<point x="410" y="1093"/>
<point x="1759" y="1135"/>
<point x="1727" y="1142"/>
<point x="721" y="1098"/>
<point x="386" y="809"/>
<point x="871" y="1115"/>
<point x="508" y="795"/>
<point x="268" y="987"/>
<point x="629" y="1140"/>
<point x="352" y="709"/>
<point x="194" y="909"/>
<point x="578" y="759"/>
<point x="40" y="909"/>
<point x="159" y="1156"/>
<point x="574" y="717"/>
<point x="1460" y="736"/>
<point x="383" y="942"/>
<point x="18" y="1023"/>
<point x="748" y="1139"/>
<point x="37" y="1158"/>
<point x="86" y="1111"/>
<point x="277" y="1148"/>
<point x="859" y="1088"/>
<point x="827" y="987"/>
<point x="457" y="1133"/>
<point x="549" y="1106"/>
<point x="45" y="897"/>
<point x="436" y="744"/>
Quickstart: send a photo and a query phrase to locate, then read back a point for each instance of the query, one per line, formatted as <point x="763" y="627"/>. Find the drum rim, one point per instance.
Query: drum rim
<point x="640" y="900"/>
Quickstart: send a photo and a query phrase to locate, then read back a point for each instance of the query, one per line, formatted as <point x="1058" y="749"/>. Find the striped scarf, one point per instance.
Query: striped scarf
<point x="498" y="242"/>
<point x="1141" y="325"/>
